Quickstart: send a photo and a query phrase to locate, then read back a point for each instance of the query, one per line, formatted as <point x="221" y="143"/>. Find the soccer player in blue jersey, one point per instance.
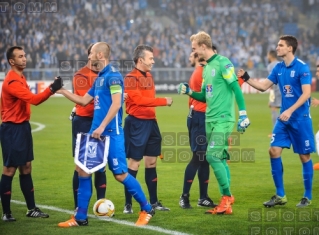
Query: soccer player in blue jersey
<point x="107" y="92"/>
<point x="294" y="125"/>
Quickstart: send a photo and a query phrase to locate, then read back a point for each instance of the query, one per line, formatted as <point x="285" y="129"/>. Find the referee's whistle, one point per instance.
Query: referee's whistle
<point x="190" y="111"/>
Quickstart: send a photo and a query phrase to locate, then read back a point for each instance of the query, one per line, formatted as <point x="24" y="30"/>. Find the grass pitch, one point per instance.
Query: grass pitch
<point x="251" y="181"/>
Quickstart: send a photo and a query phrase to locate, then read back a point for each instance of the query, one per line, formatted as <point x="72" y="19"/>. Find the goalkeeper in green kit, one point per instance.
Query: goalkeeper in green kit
<point x="219" y="88"/>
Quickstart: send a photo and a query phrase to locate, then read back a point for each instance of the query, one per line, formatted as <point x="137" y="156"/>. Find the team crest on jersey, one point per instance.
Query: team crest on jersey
<point x="213" y="72"/>
<point x="292" y="73"/>
<point x="287" y="89"/>
<point x="97" y="102"/>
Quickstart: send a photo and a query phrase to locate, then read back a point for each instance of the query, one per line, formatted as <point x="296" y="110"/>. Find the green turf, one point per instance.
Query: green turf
<point x="251" y="182"/>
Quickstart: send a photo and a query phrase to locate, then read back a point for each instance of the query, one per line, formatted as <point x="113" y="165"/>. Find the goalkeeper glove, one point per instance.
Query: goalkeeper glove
<point x="243" y="121"/>
<point x="246" y="76"/>
<point x="56" y="85"/>
<point x="183" y="88"/>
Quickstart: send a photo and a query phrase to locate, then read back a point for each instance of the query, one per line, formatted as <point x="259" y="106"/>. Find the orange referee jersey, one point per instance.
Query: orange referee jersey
<point x="82" y="82"/>
<point x="16" y="98"/>
<point x="240" y="81"/>
<point x="141" y="101"/>
<point x="195" y="83"/>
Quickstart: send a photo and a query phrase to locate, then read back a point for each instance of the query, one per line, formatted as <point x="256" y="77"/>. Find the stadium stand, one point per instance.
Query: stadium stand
<point x="243" y="30"/>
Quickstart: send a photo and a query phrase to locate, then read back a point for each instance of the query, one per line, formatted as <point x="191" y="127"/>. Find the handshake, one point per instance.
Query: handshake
<point x="183" y="88"/>
<point x="56" y="85"/>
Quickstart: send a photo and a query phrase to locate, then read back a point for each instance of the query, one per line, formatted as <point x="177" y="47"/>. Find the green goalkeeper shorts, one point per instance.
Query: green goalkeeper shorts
<point x="217" y="134"/>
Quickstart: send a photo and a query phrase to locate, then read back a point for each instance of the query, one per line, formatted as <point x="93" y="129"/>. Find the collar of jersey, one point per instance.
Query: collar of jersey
<point x="211" y="58"/>
<point x="106" y="68"/>
<point x="292" y="62"/>
<point x="142" y="72"/>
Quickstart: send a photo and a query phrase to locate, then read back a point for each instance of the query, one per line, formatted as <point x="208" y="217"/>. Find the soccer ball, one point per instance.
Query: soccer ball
<point x="104" y="207"/>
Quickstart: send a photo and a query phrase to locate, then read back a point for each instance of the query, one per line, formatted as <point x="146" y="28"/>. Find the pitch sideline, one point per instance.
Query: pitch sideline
<point x="122" y="222"/>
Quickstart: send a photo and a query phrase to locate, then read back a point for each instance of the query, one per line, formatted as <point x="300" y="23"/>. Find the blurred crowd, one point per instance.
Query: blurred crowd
<point x="243" y="30"/>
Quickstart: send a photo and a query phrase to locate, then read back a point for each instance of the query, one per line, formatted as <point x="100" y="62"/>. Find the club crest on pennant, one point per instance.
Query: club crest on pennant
<point x="92" y="149"/>
<point x="213" y="73"/>
<point x="292" y="73"/>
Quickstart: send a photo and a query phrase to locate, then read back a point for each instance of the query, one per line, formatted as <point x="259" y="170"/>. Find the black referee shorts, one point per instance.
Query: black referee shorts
<point x="16" y="143"/>
<point x="142" y="138"/>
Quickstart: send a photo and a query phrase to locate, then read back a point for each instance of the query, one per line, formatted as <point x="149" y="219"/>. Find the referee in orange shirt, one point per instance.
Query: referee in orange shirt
<point x="142" y="135"/>
<point x="16" y="138"/>
<point x="197" y="139"/>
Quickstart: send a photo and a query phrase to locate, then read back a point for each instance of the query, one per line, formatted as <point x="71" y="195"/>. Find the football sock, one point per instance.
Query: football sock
<point x="84" y="196"/>
<point x="190" y="173"/>
<point x="307" y="173"/>
<point x="100" y="184"/>
<point x="277" y="172"/>
<point x="134" y="188"/>
<point x="128" y="196"/>
<point x="220" y="174"/>
<point x="151" y="182"/>
<point x="228" y="176"/>
<point x="203" y="178"/>
<point x="75" y="185"/>
<point x="27" y="189"/>
<point x="5" y="192"/>
<point x="274" y="116"/>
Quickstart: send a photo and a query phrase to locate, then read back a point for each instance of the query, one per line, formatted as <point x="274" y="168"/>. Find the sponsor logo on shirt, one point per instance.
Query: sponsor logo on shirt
<point x="209" y="90"/>
<point x="287" y="89"/>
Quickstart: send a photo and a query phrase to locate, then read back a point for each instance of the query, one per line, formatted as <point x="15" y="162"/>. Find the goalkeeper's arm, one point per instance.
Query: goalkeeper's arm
<point x="200" y="96"/>
<point x="238" y="95"/>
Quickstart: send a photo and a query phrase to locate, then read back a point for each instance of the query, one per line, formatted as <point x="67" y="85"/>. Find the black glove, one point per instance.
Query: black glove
<point x="246" y="76"/>
<point x="56" y="85"/>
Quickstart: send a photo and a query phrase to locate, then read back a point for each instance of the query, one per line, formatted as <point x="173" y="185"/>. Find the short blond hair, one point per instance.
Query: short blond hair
<point x="104" y="48"/>
<point x="202" y="38"/>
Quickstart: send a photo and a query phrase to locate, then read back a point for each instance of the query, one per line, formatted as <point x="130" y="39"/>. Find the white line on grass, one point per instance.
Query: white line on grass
<point x="123" y="222"/>
<point x="149" y="227"/>
<point x="39" y="128"/>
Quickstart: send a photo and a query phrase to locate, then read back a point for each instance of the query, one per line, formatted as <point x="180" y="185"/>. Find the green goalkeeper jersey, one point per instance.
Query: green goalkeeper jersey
<point x="218" y="74"/>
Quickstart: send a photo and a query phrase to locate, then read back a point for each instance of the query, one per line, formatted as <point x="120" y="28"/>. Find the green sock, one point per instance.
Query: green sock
<point x="220" y="171"/>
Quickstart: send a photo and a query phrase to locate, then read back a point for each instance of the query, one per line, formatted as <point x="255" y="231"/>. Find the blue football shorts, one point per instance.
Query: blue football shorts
<point x="117" y="158"/>
<point x="298" y="133"/>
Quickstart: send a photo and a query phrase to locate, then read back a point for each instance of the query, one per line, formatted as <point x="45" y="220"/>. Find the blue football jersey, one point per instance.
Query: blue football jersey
<point x="290" y="80"/>
<point x="101" y="92"/>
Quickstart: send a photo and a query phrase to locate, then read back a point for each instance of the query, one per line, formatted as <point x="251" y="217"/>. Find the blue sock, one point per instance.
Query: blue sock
<point x="277" y="174"/>
<point x="307" y="173"/>
<point x="128" y="196"/>
<point x="84" y="196"/>
<point x="134" y="188"/>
